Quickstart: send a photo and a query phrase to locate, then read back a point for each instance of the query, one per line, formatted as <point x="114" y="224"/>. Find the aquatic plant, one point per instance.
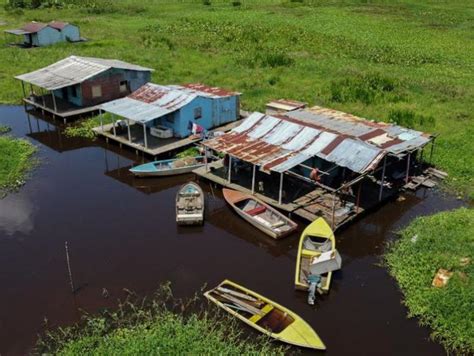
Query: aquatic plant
<point x="15" y="162"/>
<point x="161" y="325"/>
<point x="444" y="240"/>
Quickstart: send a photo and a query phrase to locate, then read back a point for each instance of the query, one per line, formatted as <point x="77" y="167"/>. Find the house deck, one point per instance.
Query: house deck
<point x="63" y="109"/>
<point x="155" y="146"/>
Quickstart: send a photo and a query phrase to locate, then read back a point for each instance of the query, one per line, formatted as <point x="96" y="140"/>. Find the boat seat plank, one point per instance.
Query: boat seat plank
<point x="256" y="211"/>
<point x="310" y="253"/>
<point x="265" y="310"/>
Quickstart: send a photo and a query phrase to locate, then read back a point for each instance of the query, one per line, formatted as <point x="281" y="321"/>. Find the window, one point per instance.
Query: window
<point x="197" y="113"/>
<point x="123" y="86"/>
<point x="96" y="91"/>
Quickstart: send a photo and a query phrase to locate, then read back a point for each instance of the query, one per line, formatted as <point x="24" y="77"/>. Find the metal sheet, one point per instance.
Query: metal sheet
<point x="134" y="110"/>
<point x="73" y="70"/>
<point x="280" y="143"/>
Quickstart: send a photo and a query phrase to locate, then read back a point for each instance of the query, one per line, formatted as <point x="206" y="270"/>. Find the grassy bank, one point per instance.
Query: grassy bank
<point x="15" y="162"/>
<point x="155" y="328"/>
<point x="429" y="243"/>
<point x="403" y="61"/>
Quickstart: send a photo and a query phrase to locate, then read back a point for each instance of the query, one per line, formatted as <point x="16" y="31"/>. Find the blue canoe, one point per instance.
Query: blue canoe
<point x="169" y="167"/>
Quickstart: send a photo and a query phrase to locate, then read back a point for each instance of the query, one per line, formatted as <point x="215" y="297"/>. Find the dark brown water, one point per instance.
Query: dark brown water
<point x="121" y="234"/>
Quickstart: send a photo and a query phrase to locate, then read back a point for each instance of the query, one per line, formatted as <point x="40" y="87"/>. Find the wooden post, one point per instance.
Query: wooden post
<point x="408" y="168"/>
<point x="144" y="135"/>
<point x="229" y="177"/>
<point x="432" y="150"/>
<point x="101" y="117"/>
<point x="23" y="88"/>
<point x="32" y="92"/>
<point x="358" y="197"/>
<point x="383" y="178"/>
<point x="333" y="218"/>
<point x="205" y="159"/>
<point x="54" y="101"/>
<point x="69" y="267"/>
<point x="42" y="98"/>
<point x="129" y="132"/>
<point x="280" y="191"/>
<point x="113" y="124"/>
<point x="253" y="178"/>
<point x="29" y="122"/>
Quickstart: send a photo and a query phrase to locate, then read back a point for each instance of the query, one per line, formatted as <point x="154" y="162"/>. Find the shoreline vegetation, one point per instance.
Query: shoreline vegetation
<point x="444" y="240"/>
<point x="15" y="161"/>
<point x="159" y="326"/>
<point x="407" y="62"/>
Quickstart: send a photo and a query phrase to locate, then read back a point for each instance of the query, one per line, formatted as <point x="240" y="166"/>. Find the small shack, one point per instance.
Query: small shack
<point x="38" y="34"/>
<point x="77" y="85"/>
<point x="319" y="162"/>
<point x="157" y="114"/>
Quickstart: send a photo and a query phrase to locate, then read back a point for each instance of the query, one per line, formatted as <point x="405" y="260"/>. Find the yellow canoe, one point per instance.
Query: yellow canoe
<point x="316" y="238"/>
<point x="264" y="315"/>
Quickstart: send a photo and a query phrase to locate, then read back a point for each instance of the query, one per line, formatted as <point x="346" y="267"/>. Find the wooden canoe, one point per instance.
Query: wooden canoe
<point x="264" y="315"/>
<point x="190" y="205"/>
<point x="259" y="214"/>
<point x="318" y="237"/>
<point x="168" y="167"/>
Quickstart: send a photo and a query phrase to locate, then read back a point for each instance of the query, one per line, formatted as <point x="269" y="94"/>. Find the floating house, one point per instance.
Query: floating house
<point x="77" y="85"/>
<point x="38" y="34"/>
<point x="155" y="115"/>
<point x="319" y="162"/>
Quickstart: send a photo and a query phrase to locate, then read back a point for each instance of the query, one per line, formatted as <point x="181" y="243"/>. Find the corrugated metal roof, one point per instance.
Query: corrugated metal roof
<point x="58" y="25"/>
<point x="285" y="105"/>
<point x="74" y="70"/>
<point x="152" y="101"/>
<point x="280" y="143"/>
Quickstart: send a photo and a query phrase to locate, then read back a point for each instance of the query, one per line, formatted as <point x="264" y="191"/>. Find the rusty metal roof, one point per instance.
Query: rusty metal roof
<point x="74" y="70"/>
<point x="279" y="143"/>
<point x="29" y="28"/>
<point x="152" y="101"/>
<point x="58" y="25"/>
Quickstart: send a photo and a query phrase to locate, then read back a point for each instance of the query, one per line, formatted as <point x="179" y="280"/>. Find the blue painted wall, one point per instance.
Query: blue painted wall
<point x="70" y="33"/>
<point x="47" y="36"/>
<point x="214" y="112"/>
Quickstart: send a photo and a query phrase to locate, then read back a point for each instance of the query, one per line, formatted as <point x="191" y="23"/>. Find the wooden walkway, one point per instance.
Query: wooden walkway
<point x="317" y="203"/>
<point x="156" y="146"/>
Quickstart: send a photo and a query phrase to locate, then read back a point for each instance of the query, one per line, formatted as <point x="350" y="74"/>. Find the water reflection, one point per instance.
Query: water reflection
<point x="16" y="215"/>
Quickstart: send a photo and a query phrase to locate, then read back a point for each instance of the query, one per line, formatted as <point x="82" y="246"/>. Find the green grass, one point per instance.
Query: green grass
<point x="427" y="244"/>
<point x="404" y="61"/>
<point x="153" y="328"/>
<point x="15" y="162"/>
<point x="84" y="128"/>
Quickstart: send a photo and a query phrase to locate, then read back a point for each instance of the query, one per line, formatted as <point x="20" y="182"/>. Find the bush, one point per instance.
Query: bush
<point x="366" y="88"/>
<point x="408" y="118"/>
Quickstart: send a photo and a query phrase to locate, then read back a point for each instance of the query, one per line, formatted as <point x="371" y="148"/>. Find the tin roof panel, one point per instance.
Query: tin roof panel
<point x="73" y="70"/>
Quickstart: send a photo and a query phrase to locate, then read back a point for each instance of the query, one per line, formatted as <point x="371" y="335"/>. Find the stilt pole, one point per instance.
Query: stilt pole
<point x="229" y="178"/>
<point x="113" y="123"/>
<point x="129" y="132"/>
<point x="280" y="191"/>
<point x="144" y="136"/>
<point x="333" y="217"/>
<point x="101" y="117"/>
<point x="383" y="178"/>
<point x="54" y="101"/>
<point x="253" y="178"/>
<point x="408" y="168"/>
